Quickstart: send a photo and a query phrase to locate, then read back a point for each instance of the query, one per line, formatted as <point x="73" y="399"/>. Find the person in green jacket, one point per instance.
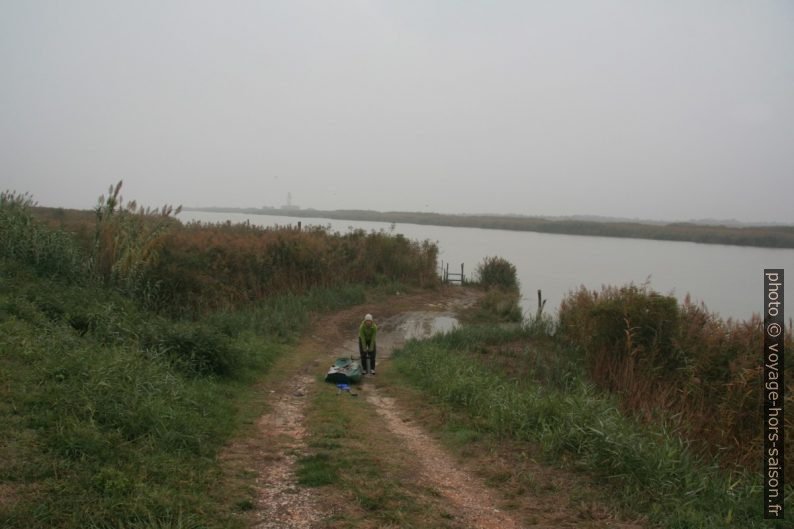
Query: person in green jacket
<point x="366" y="344"/>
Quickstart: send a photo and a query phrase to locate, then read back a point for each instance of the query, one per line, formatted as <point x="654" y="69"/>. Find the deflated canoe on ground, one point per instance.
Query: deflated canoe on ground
<point x="344" y="371"/>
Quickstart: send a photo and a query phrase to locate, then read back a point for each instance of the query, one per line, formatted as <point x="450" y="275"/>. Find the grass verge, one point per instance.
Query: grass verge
<point x="650" y="470"/>
<point x="362" y="473"/>
<point x="522" y="483"/>
<point x="114" y="417"/>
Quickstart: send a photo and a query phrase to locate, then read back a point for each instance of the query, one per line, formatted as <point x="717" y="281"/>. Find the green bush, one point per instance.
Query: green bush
<point x="194" y="348"/>
<point x="497" y="272"/>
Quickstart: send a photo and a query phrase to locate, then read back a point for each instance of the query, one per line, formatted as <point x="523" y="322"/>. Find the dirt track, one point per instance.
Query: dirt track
<point x="281" y="502"/>
<point x="281" y="433"/>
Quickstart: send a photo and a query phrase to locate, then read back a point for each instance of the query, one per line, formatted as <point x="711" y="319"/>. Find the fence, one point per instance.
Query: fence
<point x="452" y="277"/>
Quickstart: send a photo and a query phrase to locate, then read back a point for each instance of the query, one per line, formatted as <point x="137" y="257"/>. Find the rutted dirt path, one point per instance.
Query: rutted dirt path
<point x="466" y="494"/>
<point x="279" y="441"/>
<point x="282" y="503"/>
<point x="280" y="437"/>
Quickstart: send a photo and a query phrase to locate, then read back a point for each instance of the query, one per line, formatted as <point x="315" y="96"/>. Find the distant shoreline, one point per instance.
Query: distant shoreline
<point x="757" y="236"/>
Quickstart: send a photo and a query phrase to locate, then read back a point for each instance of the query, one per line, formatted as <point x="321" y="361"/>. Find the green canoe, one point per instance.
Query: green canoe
<point x="344" y="371"/>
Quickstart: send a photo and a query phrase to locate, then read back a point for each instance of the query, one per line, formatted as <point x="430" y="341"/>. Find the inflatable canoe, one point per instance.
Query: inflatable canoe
<point x="344" y="371"/>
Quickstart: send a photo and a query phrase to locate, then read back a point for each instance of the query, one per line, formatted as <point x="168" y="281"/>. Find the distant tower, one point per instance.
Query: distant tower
<point x="289" y="205"/>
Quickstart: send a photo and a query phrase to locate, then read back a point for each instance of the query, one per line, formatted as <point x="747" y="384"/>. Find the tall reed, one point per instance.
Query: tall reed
<point x="51" y="252"/>
<point x="193" y="269"/>
<point x="679" y="363"/>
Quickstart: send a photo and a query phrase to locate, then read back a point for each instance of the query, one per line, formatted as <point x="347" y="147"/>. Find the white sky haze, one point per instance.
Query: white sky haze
<point x="667" y="110"/>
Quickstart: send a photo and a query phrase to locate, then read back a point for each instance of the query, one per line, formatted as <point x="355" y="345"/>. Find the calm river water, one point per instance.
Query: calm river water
<point x="728" y="279"/>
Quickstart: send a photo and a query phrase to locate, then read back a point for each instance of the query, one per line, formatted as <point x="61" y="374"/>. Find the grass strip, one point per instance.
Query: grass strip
<point x="362" y="472"/>
<point x="652" y="470"/>
<point x="106" y="420"/>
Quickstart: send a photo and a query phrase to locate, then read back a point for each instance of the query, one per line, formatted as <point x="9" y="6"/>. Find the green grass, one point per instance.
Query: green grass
<point x="286" y="317"/>
<point x="112" y="416"/>
<point x="362" y="472"/>
<point x="51" y="252"/>
<point x="651" y="470"/>
<point x="316" y="470"/>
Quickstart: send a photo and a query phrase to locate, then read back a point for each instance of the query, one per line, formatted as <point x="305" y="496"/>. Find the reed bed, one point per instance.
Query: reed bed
<point x="513" y="384"/>
<point x="678" y="363"/>
<point x="130" y="343"/>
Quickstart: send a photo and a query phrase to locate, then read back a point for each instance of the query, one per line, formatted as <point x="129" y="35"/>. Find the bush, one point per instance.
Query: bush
<point x="193" y="348"/>
<point x="95" y="432"/>
<point x="113" y="415"/>
<point x="497" y="272"/>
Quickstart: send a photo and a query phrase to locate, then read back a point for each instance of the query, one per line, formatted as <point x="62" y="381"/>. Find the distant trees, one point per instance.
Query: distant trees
<point x="764" y="236"/>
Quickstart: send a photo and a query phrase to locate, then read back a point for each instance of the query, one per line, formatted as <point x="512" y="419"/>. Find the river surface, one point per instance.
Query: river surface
<point x="728" y="279"/>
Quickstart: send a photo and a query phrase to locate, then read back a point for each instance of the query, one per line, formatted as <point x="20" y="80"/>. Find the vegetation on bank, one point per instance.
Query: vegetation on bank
<point x="128" y="342"/>
<point x="192" y="269"/>
<point x="659" y="402"/>
<point x="764" y="236"/>
<point x="121" y="378"/>
<point x="679" y="364"/>
<point x="498" y="278"/>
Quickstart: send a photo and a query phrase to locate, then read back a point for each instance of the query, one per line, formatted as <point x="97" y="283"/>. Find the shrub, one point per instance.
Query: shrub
<point x="193" y="348"/>
<point x="497" y="272"/>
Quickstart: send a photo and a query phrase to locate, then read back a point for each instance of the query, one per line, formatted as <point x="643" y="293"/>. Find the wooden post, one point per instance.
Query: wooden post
<point x="461" y="274"/>
<point x="299" y="225"/>
<point x="541" y="304"/>
<point x="446" y="274"/>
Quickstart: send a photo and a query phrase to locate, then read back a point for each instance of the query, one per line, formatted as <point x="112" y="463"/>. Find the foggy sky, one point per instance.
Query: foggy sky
<point x="654" y="109"/>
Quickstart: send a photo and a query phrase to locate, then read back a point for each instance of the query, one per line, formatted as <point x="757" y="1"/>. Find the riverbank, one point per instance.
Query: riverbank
<point x="124" y="410"/>
<point x="759" y="236"/>
<point x="130" y="345"/>
<point x="113" y="416"/>
<point x="520" y="401"/>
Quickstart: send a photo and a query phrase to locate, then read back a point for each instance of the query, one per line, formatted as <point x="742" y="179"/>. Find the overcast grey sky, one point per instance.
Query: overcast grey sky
<point x="653" y="109"/>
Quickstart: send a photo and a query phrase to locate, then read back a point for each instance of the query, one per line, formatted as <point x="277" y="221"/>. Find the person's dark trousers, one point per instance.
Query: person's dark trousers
<point x="367" y="356"/>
